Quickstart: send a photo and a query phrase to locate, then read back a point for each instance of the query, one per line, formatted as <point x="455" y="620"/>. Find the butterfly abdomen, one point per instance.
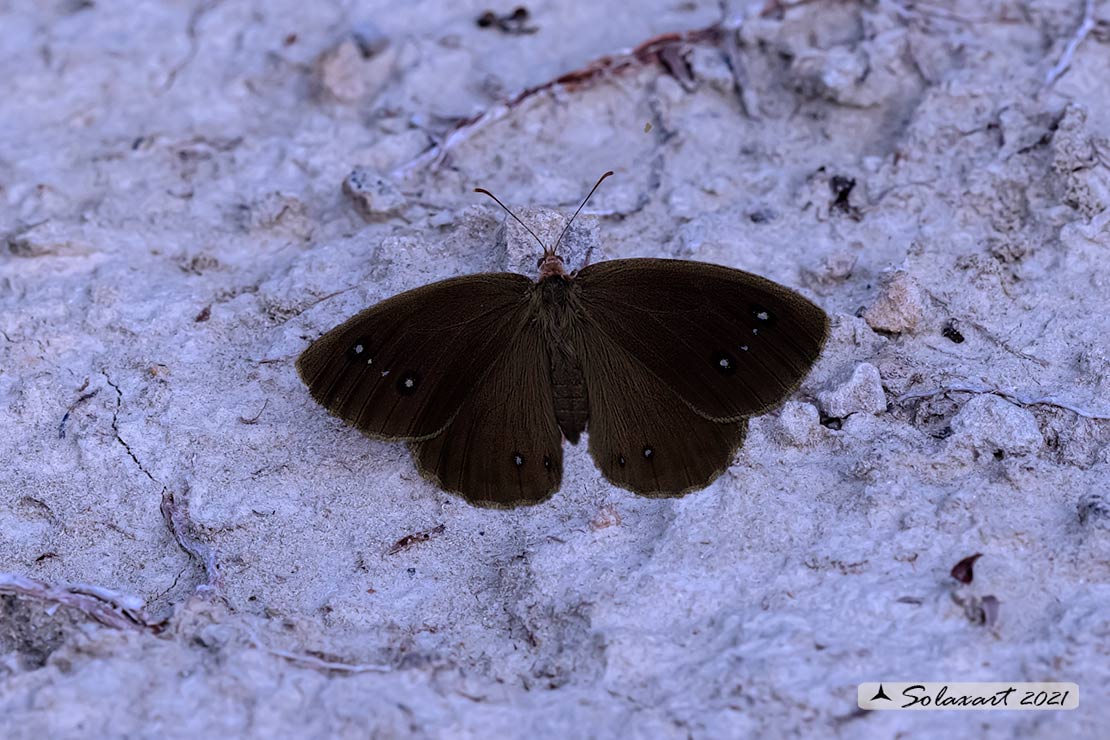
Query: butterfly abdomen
<point x="568" y="385"/>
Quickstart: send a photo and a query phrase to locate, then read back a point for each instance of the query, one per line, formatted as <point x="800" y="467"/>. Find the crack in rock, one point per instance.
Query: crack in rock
<point x="115" y="428"/>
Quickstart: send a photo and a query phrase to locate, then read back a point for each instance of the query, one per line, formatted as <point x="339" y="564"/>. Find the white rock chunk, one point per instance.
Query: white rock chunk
<point x="861" y="393"/>
<point x="578" y="248"/>
<point x="798" y="423"/>
<point x="989" y="423"/>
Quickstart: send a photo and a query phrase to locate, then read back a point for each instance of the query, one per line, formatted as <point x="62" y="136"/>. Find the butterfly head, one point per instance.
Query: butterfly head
<point x="551" y="265"/>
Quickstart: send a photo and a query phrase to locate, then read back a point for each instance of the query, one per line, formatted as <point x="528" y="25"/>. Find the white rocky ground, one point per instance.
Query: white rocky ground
<point x="176" y="229"/>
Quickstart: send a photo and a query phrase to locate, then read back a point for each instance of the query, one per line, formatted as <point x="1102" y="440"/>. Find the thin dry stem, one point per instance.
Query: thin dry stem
<point x="110" y="608"/>
<point x="311" y="661"/>
<point x="176" y="516"/>
<point x="1011" y="397"/>
<point x="1085" y="27"/>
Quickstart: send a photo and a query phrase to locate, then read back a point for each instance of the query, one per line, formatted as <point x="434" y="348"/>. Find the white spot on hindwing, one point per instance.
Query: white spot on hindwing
<point x="763" y="315"/>
<point x="408" y="382"/>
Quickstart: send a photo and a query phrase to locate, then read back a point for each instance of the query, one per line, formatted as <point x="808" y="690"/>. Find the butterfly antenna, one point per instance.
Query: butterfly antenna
<point x="584" y="202"/>
<point x="483" y="191"/>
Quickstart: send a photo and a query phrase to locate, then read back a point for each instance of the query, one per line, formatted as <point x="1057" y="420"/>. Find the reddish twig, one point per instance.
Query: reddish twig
<point x="411" y="539"/>
<point x="655" y="51"/>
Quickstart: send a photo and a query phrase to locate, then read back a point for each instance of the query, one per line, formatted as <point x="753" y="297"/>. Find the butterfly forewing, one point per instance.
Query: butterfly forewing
<point x="403" y="368"/>
<point x="503" y="448"/>
<point x="728" y="343"/>
<point x="644" y="437"/>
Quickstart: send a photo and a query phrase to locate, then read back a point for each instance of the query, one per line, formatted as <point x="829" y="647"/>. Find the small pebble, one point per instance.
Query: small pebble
<point x="798" y="423"/>
<point x="374" y="196"/>
<point x="899" y="307"/>
<point x="347" y="73"/>
<point x="862" y="393"/>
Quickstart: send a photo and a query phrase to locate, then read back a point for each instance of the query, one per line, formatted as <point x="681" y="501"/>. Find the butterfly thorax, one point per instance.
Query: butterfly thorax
<point x="556" y="315"/>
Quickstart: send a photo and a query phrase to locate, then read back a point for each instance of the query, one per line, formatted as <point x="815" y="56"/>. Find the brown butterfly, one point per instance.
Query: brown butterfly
<point x="662" y="361"/>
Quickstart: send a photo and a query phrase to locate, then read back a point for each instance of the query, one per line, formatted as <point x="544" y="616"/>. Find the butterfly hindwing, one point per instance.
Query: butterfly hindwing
<point x="728" y="343"/>
<point x="503" y="448"/>
<point x="403" y="368"/>
<point x="644" y="437"/>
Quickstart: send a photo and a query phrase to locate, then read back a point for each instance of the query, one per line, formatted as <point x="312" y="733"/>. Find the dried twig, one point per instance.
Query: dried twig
<point x="651" y="52"/>
<point x="69" y="410"/>
<point x="254" y="419"/>
<point x="177" y="519"/>
<point x="1085" y="27"/>
<point x="110" y="608"/>
<point x="734" y="58"/>
<point x="1011" y="397"/>
<point x="411" y="539"/>
<point x="191" y="34"/>
<point x="311" y="661"/>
